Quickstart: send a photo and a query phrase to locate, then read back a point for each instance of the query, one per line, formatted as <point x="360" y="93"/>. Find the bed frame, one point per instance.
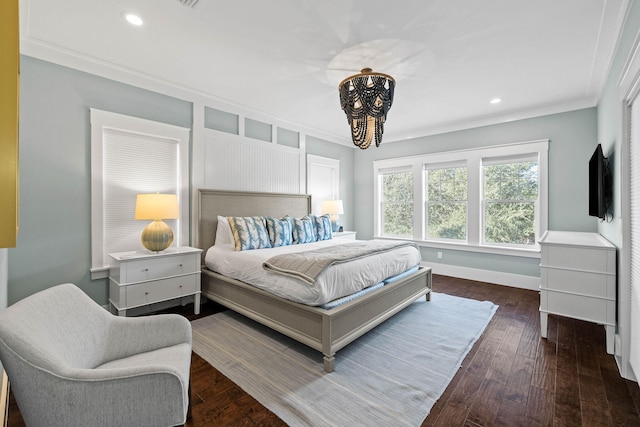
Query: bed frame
<point x="324" y="330"/>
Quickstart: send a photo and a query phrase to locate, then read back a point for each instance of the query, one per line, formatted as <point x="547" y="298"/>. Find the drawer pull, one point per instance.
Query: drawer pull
<point x="180" y="286"/>
<point x="180" y="265"/>
<point x="146" y="293"/>
<point x="145" y="269"/>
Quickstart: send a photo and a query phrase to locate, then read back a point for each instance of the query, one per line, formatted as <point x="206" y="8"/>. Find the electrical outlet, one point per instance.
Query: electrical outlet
<point x="439" y="255"/>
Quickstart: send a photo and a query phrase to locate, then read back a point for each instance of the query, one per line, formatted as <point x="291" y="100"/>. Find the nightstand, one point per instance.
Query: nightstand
<point x="141" y="278"/>
<point x="350" y="235"/>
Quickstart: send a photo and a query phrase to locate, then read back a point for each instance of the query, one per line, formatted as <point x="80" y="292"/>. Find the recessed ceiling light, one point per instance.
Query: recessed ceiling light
<point x="496" y="101"/>
<point x="133" y="19"/>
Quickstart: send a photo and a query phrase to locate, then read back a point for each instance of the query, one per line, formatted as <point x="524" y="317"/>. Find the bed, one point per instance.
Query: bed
<point x="325" y="330"/>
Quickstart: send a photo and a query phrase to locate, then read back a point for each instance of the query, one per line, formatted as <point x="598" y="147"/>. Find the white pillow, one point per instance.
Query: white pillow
<point x="223" y="233"/>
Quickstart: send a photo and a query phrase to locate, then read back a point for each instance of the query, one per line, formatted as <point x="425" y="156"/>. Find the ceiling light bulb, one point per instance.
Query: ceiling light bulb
<point x="496" y="101"/>
<point x="133" y="19"/>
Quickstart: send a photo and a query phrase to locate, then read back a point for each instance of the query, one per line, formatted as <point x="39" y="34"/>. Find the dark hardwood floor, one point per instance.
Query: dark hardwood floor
<point x="511" y="377"/>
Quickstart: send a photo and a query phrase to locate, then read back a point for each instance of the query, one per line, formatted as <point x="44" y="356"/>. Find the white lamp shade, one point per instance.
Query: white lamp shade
<point x="157" y="206"/>
<point x="332" y="207"/>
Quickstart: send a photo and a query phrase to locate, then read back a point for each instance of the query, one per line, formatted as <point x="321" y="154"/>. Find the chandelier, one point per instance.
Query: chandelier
<point x="366" y="98"/>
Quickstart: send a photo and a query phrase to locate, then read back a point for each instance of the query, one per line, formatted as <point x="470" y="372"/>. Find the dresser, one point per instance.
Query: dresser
<point x="578" y="279"/>
<point x="141" y="278"/>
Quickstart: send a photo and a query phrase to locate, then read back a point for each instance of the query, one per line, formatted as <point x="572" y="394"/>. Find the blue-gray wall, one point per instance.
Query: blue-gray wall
<point x="610" y="131"/>
<point x="611" y="134"/>
<point x="573" y="137"/>
<point x="54" y="241"/>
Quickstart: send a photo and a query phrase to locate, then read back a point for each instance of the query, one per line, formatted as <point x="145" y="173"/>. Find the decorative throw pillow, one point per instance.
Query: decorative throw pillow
<point x="322" y="226"/>
<point x="223" y="231"/>
<point x="249" y="232"/>
<point x="280" y="233"/>
<point x="303" y="231"/>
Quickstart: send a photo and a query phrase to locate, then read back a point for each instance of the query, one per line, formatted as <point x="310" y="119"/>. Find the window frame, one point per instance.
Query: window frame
<point x="381" y="202"/>
<point x="102" y="121"/>
<point x="503" y="160"/>
<point x="475" y="221"/>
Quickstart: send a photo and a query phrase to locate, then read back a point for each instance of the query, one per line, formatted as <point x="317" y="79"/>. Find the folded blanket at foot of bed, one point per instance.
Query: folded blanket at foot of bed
<point x="308" y="265"/>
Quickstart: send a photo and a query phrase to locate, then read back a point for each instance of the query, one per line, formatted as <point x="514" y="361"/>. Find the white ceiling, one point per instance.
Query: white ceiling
<point x="285" y="57"/>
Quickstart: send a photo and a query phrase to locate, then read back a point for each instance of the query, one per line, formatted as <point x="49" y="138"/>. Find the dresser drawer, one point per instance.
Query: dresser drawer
<point x="156" y="268"/>
<point x="160" y="290"/>
<point x="587" y="259"/>
<point x="578" y="307"/>
<point x="578" y="282"/>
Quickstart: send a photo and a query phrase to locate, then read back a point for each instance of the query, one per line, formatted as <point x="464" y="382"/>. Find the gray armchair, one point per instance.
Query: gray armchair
<point x="72" y="363"/>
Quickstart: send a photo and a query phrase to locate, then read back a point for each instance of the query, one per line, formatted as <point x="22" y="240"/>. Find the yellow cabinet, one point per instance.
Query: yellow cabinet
<point x="9" y="87"/>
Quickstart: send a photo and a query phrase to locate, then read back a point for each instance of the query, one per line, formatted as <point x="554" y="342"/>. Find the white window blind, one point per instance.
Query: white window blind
<point x="634" y="222"/>
<point x="134" y="163"/>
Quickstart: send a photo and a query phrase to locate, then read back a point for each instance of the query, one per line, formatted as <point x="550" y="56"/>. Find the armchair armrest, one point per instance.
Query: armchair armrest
<point x="134" y="335"/>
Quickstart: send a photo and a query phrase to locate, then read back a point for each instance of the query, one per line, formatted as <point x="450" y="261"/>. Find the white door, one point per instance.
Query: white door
<point x="323" y="181"/>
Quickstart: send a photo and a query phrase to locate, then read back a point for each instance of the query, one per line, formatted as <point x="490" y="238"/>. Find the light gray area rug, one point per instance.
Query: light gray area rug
<point x="391" y="376"/>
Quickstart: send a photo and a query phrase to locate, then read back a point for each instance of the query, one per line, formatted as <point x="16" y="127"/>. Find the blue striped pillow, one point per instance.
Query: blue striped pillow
<point x="280" y="233"/>
<point x="321" y="226"/>
<point x="249" y="232"/>
<point x="303" y="231"/>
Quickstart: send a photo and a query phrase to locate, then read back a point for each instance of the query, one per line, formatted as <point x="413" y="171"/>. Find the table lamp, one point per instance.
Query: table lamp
<point x="335" y="209"/>
<point x="157" y="236"/>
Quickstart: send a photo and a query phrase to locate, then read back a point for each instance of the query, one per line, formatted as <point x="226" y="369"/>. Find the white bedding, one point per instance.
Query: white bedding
<point x="335" y="282"/>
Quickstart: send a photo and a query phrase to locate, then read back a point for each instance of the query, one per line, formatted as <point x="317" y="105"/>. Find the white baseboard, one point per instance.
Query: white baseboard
<point x="497" y="277"/>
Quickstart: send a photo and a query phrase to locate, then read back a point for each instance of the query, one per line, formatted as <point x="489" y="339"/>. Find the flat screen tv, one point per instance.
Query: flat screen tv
<point x="598" y="184"/>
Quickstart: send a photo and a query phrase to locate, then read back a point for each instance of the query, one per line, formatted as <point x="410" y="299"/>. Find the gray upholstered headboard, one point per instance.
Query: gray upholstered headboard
<point x="212" y="203"/>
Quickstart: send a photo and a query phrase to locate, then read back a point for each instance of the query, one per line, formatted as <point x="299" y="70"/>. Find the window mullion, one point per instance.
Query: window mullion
<point x="418" y="202"/>
<point x="474" y="207"/>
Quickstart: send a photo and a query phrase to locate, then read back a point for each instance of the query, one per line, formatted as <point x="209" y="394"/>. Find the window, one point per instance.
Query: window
<point x="397" y="203"/>
<point x="510" y="194"/>
<point x="131" y="156"/>
<point x="490" y="199"/>
<point x="446" y="203"/>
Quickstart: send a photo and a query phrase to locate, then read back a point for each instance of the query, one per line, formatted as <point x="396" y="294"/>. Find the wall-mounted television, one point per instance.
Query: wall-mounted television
<point x="599" y="189"/>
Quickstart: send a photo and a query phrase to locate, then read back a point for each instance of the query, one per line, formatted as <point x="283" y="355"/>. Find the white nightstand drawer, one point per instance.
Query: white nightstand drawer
<point x="156" y="268"/>
<point x="348" y="235"/>
<point x="160" y="290"/>
<point x="140" y="278"/>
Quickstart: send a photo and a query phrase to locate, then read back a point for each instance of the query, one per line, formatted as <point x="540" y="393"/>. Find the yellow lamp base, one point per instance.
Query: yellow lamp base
<point x="157" y="236"/>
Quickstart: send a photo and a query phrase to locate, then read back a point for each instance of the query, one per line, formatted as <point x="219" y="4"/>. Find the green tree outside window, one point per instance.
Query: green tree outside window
<point x="397" y="204"/>
<point x="510" y="195"/>
<point x="446" y="203"/>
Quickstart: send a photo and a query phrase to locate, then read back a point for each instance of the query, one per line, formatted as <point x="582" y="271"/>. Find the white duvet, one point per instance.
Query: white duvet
<point x="335" y="282"/>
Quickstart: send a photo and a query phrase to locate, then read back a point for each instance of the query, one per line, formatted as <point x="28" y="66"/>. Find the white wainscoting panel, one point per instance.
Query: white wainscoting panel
<point x="238" y="163"/>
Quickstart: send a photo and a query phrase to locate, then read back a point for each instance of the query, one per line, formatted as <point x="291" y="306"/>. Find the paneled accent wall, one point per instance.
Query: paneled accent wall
<point x="239" y="163"/>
